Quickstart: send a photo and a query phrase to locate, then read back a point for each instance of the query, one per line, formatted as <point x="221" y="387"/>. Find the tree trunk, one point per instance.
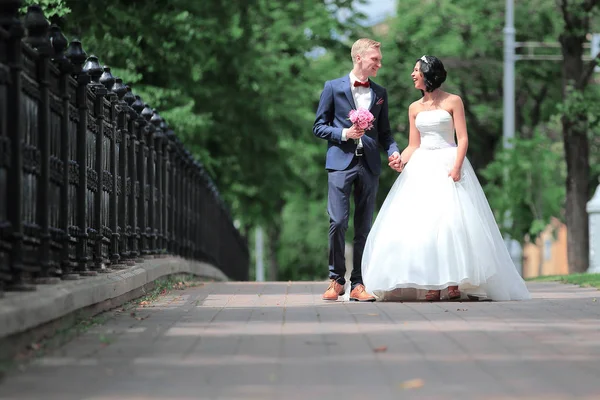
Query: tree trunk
<point x="577" y="157"/>
<point x="576" y="147"/>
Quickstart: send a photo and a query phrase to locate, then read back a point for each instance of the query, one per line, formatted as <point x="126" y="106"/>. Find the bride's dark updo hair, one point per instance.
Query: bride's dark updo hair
<point x="433" y="72"/>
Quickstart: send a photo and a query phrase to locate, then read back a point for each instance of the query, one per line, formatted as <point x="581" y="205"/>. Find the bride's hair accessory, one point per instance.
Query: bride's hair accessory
<point x="433" y="72"/>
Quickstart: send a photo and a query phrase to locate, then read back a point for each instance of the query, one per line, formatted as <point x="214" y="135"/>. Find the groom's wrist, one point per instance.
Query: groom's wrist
<point x="344" y="137"/>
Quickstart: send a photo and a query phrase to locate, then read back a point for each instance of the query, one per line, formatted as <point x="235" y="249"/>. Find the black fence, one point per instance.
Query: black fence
<point x="92" y="179"/>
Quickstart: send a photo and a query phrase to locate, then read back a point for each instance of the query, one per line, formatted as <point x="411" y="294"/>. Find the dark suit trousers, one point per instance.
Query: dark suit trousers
<point x="359" y="177"/>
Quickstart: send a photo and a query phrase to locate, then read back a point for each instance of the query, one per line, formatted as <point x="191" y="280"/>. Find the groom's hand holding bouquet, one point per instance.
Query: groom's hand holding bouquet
<point x="362" y="120"/>
<point x="354" y="132"/>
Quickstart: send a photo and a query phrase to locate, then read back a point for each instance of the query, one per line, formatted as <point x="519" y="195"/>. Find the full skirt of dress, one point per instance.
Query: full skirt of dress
<point x="432" y="232"/>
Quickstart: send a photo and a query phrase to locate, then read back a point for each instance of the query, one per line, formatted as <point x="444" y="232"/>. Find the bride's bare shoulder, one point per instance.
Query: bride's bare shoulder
<point x="414" y="107"/>
<point x="453" y="98"/>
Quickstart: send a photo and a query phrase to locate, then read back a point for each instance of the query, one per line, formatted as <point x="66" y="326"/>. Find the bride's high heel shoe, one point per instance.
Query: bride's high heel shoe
<point x="453" y="293"/>
<point x="433" y="295"/>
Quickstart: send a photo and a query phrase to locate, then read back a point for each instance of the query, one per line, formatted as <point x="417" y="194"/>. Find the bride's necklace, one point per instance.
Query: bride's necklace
<point x="432" y="102"/>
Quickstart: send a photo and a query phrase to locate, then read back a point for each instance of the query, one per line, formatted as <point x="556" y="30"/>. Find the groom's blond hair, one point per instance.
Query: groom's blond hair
<point x="361" y="46"/>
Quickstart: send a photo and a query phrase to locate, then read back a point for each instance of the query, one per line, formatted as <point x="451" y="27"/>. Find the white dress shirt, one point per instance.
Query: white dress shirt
<point x="362" y="99"/>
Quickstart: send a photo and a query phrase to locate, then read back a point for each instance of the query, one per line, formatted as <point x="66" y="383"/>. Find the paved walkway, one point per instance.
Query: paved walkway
<point x="280" y="341"/>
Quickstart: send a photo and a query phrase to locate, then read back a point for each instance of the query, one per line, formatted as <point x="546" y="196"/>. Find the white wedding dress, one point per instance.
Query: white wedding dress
<point x="432" y="232"/>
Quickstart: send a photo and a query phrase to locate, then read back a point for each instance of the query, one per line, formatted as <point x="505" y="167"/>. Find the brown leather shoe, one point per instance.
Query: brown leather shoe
<point x="333" y="291"/>
<point x="360" y="294"/>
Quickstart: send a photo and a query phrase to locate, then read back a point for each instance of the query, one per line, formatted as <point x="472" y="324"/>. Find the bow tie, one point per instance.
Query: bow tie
<point x="363" y="84"/>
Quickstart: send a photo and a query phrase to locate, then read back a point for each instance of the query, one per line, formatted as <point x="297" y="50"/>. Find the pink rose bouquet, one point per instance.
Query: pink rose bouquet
<point x="362" y="118"/>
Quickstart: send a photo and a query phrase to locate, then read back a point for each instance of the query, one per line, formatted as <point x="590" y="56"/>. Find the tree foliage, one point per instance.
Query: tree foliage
<point x="526" y="185"/>
<point x="240" y="81"/>
<point x="577" y="16"/>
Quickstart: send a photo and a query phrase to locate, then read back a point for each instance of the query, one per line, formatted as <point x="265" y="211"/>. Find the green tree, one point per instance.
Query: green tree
<point x="467" y="36"/>
<point x="237" y="81"/>
<point x="52" y="8"/>
<point x="576" y="15"/>
<point x="524" y="183"/>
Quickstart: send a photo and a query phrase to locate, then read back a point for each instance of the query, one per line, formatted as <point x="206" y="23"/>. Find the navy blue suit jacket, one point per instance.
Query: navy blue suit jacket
<point x="332" y="116"/>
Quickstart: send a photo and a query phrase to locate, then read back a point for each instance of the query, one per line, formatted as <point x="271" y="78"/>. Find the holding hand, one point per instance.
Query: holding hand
<point x="454" y="174"/>
<point x="354" y="132"/>
<point x="395" y="162"/>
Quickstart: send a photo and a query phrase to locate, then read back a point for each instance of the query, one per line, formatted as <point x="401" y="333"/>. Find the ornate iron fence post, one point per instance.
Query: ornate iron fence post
<point x="59" y="44"/>
<point x="157" y="183"/>
<point x="118" y="169"/>
<point x="183" y="170"/>
<point x="175" y="176"/>
<point x="134" y="238"/>
<point x="212" y="223"/>
<point x="8" y="13"/>
<point x="165" y="184"/>
<point x="37" y="26"/>
<point x="172" y="186"/>
<point x="196" y="220"/>
<point x="204" y="212"/>
<point x="191" y="205"/>
<point x="217" y="224"/>
<point x="109" y="166"/>
<point x="127" y="180"/>
<point x="77" y="55"/>
<point x="97" y="183"/>
<point x="147" y="113"/>
<point x="186" y="203"/>
<point x="15" y="126"/>
<point x="191" y="189"/>
<point x="142" y="166"/>
<point x="179" y="204"/>
<point x="57" y="166"/>
<point x="123" y="173"/>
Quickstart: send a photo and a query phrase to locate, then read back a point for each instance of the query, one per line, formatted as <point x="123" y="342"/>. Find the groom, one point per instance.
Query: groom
<point x="353" y="161"/>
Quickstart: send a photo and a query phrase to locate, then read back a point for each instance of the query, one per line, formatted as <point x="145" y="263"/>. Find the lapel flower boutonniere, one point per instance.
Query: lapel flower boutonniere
<point x="379" y="102"/>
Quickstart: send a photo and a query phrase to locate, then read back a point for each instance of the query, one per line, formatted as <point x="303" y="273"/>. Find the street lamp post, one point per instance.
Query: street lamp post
<point x="508" y="127"/>
<point x="508" y="122"/>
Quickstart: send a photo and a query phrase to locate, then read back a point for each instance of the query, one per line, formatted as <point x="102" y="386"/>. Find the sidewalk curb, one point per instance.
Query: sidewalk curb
<point x="20" y="311"/>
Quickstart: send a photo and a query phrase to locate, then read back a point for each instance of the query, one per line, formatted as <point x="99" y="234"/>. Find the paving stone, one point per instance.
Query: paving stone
<point x="259" y="340"/>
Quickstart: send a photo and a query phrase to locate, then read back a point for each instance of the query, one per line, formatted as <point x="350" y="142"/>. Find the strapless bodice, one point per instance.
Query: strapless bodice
<point x="436" y="128"/>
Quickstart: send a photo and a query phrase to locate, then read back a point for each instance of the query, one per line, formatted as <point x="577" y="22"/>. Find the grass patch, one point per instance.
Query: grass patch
<point x="583" y="280"/>
<point x="165" y="285"/>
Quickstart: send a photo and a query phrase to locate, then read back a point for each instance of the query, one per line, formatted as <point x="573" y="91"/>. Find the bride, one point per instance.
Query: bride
<point x="435" y="230"/>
